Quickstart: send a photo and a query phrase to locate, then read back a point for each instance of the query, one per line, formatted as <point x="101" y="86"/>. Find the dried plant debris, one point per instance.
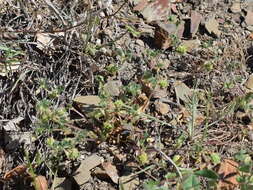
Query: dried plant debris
<point x="228" y="171"/>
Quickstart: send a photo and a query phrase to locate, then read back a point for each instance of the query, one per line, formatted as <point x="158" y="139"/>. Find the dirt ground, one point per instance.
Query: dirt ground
<point x="126" y="94"/>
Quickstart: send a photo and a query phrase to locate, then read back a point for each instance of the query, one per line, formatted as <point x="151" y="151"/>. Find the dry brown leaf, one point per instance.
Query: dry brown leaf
<point x="19" y="170"/>
<point x="111" y="171"/>
<point x="185" y="115"/>
<point x="46" y="40"/>
<point x="228" y="171"/>
<point x="143" y="101"/>
<point x="41" y="183"/>
<point x="43" y="40"/>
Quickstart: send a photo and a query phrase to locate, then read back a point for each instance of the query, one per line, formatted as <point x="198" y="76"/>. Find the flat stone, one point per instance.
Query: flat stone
<point x="87" y="103"/>
<point x="249" y="83"/>
<point x="250" y="134"/>
<point x="195" y="21"/>
<point x="180" y="29"/>
<point x="236" y="7"/>
<point x="62" y="183"/>
<point x="211" y="26"/>
<point x="248" y="4"/>
<point x="113" y="87"/>
<point x="250" y="28"/>
<point x="191" y="44"/>
<point x="249" y="18"/>
<point x="236" y="18"/>
<point x="161" y="107"/>
<point x="159" y="93"/>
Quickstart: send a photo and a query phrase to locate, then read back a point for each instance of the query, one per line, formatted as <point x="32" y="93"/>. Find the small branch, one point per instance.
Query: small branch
<point x="113" y="14"/>
<point x="51" y="6"/>
<point x="171" y="161"/>
<point x="79" y="23"/>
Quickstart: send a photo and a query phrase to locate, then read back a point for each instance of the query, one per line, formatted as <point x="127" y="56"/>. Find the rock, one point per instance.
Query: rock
<point x="154" y="10"/>
<point x="170" y="28"/>
<point x="249" y="83"/>
<point x="249" y="18"/>
<point x="161" y="107"/>
<point x="250" y="134"/>
<point x="82" y="174"/>
<point x="249" y="4"/>
<point x="180" y="29"/>
<point x="87" y="103"/>
<point x="128" y="182"/>
<point x="236" y="18"/>
<point x="159" y="93"/>
<point x="62" y="183"/>
<point x="236" y="7"/>
<point x="113" y="87"/>
<point x="111" y="171"/>
<point x="211" y="26"/>
<point x="13" y="140"/>
<point x="191" y="44"/>
<point x="250" y="28"/>
<point x="195" y="21"/>
<point x="183" y="92"/>
<point x="163" y="31"/>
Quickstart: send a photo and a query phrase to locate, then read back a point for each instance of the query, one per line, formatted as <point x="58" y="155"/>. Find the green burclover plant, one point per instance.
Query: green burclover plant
<point x="133" y="31"/>
<point x="112" y="69"/>
<point x="182" y="49"/>
<point x="245" y="177"/>
<point x="116" y="111"/>
<point x="52" y="128"/>
<point x="163" y="83"/>
<point x="49" y="118"/>
<point x="10" y="61"/>
<point x="152" y="53"/>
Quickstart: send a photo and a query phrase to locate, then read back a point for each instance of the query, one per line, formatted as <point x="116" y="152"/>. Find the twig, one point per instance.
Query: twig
<point x="51" y="6"/>
<point x="170" y="160"/>
<point x="79" y="23"/>
<point x="141" y="171"/>
<point x="113" y="14"/>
